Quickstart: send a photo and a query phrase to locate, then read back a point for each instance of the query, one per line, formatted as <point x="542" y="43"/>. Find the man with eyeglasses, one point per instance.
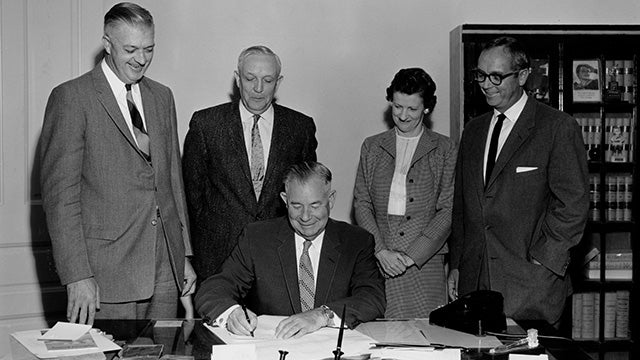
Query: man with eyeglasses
<point x="521" y="193"/>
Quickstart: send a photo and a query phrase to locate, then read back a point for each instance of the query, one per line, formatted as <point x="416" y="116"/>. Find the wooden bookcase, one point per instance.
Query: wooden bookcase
<point x="557" y="51"/>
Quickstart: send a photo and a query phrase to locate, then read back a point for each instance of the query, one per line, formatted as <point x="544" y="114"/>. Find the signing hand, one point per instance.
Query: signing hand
<point x="237" y="322"/>
<point x="300" y="324"/>
<point x="190" y="277"/>
<point x="392" y="262"/>
<point x="452" y="282"/>
<point x="83" y="298"/>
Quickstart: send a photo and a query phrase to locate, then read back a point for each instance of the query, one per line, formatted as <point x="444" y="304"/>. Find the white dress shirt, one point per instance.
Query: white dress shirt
<point x="120" y="92"/>
<point x="265" y="126"/>
<point x="512" y="114"/>
<point x="405" y="148"/>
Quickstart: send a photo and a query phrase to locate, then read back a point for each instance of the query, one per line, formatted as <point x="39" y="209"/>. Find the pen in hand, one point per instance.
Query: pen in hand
<point x="246" y="315"/>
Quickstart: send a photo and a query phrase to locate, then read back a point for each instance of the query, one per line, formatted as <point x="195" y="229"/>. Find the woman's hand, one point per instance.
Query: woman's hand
<point x="392" y="262"/>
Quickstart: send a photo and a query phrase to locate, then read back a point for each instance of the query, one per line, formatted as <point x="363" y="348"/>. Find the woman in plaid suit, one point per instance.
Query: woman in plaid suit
<point x="403" y="196"/>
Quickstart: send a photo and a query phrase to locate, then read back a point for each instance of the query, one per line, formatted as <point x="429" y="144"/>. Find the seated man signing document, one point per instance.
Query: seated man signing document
<point x="305" y="266"/>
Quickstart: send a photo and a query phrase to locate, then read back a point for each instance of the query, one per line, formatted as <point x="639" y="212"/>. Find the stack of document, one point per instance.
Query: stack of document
<point x="65" y="340"/>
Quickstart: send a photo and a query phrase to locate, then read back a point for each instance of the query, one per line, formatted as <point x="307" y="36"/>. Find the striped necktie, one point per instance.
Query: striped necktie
<point x="305" y="279"/>
<point x="138" y="126"/>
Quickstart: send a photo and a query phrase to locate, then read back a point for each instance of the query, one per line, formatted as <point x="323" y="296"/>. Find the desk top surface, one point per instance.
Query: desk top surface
<point x="190" y="337"/>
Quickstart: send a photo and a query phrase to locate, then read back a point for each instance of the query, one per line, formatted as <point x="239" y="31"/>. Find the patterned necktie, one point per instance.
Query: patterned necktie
<point x="305" y="279"/>
<point x="257" y="157"/>
<point x="138" y="127"/>
<point x="493" y="147"/>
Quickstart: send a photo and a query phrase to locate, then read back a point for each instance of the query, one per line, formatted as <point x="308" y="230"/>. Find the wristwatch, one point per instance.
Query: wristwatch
<point x="328" y="314"/>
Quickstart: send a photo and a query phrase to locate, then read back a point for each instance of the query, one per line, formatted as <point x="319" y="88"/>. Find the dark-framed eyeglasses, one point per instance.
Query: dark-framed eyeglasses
<point x="480" y="76"/>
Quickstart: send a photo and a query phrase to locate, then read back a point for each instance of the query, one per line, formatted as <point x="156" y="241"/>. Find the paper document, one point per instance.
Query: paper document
<point x="416" y="354"/>
<point x="317" y="345"/>
<point x="29" y="339"/>
<point x="65" y="331"/>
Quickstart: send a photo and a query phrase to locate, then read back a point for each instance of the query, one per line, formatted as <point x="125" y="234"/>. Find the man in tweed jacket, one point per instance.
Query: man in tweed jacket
<point x="217" y="170"/>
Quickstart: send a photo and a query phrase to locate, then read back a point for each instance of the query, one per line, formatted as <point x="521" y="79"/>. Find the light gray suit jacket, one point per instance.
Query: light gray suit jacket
<point x="99" y="193"/>
<point x="521" y="215"/>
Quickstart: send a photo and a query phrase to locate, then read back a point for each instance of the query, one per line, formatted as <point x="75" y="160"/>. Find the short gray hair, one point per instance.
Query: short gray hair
<point x="128" y="13"/>
<point x="304" y="171"/>
<point x="258" y="50"/>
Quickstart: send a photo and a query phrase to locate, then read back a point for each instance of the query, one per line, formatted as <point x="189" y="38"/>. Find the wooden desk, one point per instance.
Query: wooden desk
<point x="192" y="338"/>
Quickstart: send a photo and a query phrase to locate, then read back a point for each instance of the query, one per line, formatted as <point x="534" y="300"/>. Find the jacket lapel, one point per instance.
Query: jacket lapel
<point x="328" y="264"/>
<point x="384" y="169"/>
<point x="110" y="104"/>
<point x="426" y="144"/>
<point x="237" y="146"/>
<point x="476" y="155"/>
<point x="289" y="264"/>
<point x="153" y="120"/>
<point x="279" y="143"/>
<point x="518" y="135"/>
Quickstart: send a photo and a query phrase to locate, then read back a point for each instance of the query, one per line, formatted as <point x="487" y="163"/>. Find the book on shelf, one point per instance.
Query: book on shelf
<point x="622" y="314"/>
<point x="610" y="303"/>
<point x="586" y="315"/>
<point x="618" y="197"/>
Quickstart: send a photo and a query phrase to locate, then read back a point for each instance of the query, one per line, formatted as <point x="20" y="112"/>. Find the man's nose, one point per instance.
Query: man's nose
<point x="258" y="86"/>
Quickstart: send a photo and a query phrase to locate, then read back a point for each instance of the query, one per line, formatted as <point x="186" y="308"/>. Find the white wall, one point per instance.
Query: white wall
<point x="338" y="58"/>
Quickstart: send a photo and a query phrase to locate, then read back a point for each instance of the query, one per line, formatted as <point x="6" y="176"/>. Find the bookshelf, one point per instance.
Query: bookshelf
<point x="589" y="71"/>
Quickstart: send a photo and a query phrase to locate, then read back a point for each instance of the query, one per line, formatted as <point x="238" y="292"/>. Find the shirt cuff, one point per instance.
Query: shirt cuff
<point x="221" y="320"/>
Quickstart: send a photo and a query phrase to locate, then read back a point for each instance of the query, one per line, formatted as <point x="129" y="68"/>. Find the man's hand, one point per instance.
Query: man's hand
<point x="392" y="262"/>
<point x="83" y="298"/>
<point x="407" y="261"/>
<point x="189" y="286"/>
<point x="300" y="324"/>
<point x="237" y="322"/>
<point x="452" y="282"/>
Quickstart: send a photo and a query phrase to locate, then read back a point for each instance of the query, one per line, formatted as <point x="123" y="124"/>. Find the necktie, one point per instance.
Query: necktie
<point x="257" y="157"/>
<point x="138" y="127"/>
<point x="305" y="279"/>
<point x="493" y="147"/>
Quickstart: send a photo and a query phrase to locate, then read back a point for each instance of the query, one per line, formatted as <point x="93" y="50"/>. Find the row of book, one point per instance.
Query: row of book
<point x="618" y="136"/>
<point x="620" y="80"/>
<point x="586" y="310"/>
<point x="617" y="266"/>
<point x="618" y="197"/>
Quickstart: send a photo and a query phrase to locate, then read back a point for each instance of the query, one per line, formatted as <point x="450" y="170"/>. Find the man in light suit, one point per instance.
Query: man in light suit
<point x="235" y="155"/>
<point x="521" y="193"/>
<point x="112" y="184"/>
<point x="266" y="270"/>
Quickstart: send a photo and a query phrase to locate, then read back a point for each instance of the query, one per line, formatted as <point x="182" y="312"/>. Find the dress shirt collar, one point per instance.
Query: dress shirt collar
<point x="117" y="86"/>
<point x="513" y="113"/>
<point x="247" y="116"/>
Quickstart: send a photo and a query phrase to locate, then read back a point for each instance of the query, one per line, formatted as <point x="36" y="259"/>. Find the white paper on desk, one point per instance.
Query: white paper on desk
<point x="317" y="345"/>
<point x="528" y="357"/>
<point x="234" y="351"/>
<point x="416" y="354"/>
<point x="65" y="331"/>
<point x="29" y="339"/>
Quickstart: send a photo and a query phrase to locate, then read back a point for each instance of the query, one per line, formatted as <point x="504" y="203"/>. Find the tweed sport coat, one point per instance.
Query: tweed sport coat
<point x="220" y="195"/>
<point x="263" y="270"/>
<point x="99" y="193"/>
<point x="429" y="192"/>
<point x="534" y="206"/>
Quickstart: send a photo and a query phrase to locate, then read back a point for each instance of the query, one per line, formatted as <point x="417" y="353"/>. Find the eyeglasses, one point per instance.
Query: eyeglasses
<point x="480" y="76"/>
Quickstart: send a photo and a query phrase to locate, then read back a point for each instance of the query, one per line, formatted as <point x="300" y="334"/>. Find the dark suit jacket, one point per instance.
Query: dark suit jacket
<point x="521" y="215"/>
<point x="220" y="195"/>
<point x="263" y="270"/>
<point x="100" y="194"/>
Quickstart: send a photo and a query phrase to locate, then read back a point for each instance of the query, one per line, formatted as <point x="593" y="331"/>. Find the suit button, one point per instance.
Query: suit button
<point x="410" y="199"/>
<point x="488" y="227"/>
<point x="410" y="181"/>
<point x="154" y="222"/>
<point x="408" y="217"/>
<point x="401" y="233"/>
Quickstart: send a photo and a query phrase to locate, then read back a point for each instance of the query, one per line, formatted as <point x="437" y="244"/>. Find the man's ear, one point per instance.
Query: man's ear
<point x="106" y="44"/>
<point x="236" y="75"/>
<point x="283" y="196"/>
<point x="523" y="75"/>
<point x="332" y="199"/>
